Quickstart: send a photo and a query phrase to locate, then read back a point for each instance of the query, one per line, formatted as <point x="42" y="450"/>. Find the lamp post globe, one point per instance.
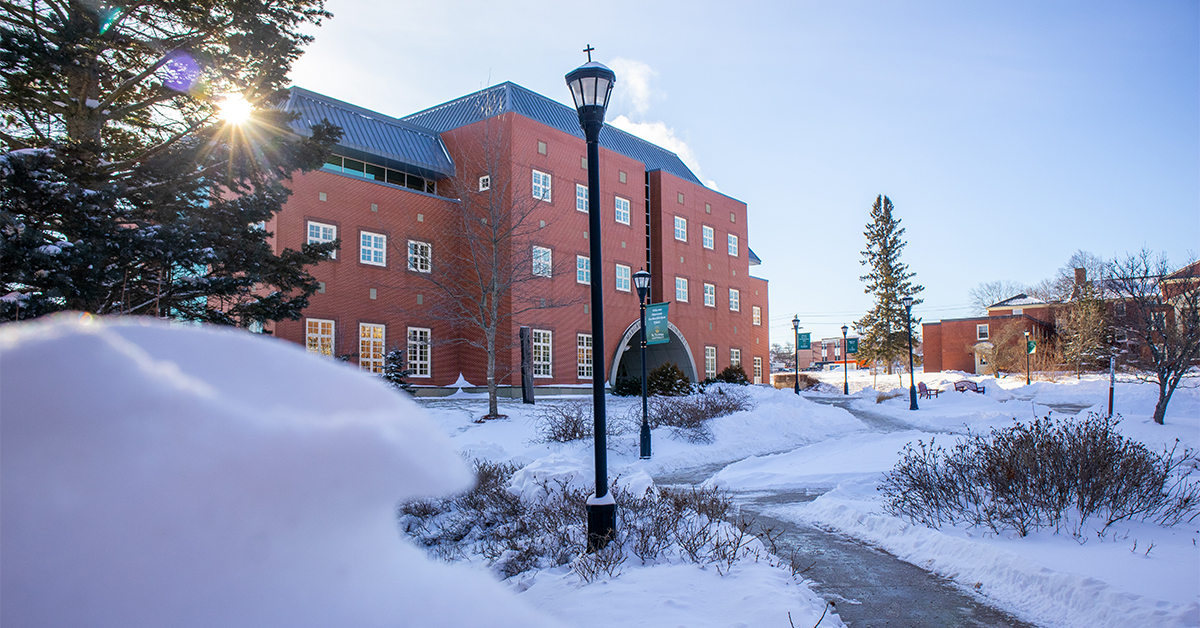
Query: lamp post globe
<point x="641" y="281"/>
<point x="912" y="388"/>
<point x="845" y="363"/>
<point x="796" y="351"/>
<point x="591" y="85"/>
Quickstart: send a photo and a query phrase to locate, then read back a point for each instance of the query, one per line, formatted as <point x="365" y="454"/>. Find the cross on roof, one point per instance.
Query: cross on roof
<point x="589" y="50"/>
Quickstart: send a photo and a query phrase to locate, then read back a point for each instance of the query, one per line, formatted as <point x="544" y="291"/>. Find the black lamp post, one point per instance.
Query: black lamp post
<point x="1027" y="378"/>
<point x="912" y="388"/>
<point x="845" y="361"/>
<point x="641" y="281"/>
<point x="796" y="352"/>
<point x="591" y="85"/>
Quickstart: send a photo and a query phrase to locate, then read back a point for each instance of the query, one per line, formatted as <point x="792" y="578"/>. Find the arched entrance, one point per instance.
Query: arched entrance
<point x="628" y="360"/>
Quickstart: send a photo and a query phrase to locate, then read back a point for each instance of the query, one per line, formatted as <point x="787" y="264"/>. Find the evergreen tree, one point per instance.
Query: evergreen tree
<point x="123" y="190"/>
<point x="395" y="370"/>
<point x="884" y="338"/>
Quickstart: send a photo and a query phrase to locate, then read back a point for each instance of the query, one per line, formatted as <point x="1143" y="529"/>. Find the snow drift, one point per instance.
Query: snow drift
<point x="159" y="475"/>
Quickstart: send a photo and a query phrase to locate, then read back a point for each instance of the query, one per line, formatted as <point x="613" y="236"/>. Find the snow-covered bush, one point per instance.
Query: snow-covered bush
<point x="689" y="416"/>
<point x="572" y="420"/>
<point x="515" y="531"/>
<point x="1047" y="473"/>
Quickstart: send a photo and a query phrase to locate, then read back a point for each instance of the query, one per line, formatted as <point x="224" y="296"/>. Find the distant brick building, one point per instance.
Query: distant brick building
<point x="963" y="344"/>
<point x="393" y="188"/>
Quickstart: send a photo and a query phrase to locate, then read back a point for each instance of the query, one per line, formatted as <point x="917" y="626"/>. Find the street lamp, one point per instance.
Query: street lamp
<point x="912" y="389"/>
<point x="641" y="280"/>
<point x="1027" y="379"/>
<point x="591" y="85"/>
<point x="845" y="359"/>
<point x="796" y="351"/>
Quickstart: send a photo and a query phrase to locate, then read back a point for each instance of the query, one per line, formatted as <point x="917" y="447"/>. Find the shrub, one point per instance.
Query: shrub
<point x="668" y="380"/>
<point x="1048" y="473"/>
<point x="733" y="374"/>
<point x="572" y="420"/>
<point x="689" y="416"/>
<point x="515" y="535"/>
<point x="627" y="386"/>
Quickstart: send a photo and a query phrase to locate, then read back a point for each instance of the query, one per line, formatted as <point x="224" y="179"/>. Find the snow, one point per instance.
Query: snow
<point x="189" y="476"/>
<point x="1048" y="579"/>
<point x="159" y="475"/>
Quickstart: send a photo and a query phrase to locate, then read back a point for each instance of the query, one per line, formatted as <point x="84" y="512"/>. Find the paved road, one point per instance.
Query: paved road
<point x="870" y="588"/>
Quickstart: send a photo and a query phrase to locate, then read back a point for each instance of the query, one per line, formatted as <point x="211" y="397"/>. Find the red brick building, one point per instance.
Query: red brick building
<point x="396" y="187"/>
<point x="963" y="344"/>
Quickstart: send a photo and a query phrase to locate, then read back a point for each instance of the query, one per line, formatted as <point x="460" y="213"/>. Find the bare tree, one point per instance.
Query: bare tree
<point x="992" y="292"/>
<point x="484" y="269"/>
<point x="784" y="354"/>
<point x="1159" y="312"/>
<point x="1083" y="330"/>
<point x="1062" y="287"/>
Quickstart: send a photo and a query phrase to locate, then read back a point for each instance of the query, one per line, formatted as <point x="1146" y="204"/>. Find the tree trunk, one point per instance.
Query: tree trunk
<point x="1164" y="397"/>
<point x="493" y="406"/>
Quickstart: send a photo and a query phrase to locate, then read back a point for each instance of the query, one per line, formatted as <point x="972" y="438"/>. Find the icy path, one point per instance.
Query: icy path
<point x="870" y="587"/>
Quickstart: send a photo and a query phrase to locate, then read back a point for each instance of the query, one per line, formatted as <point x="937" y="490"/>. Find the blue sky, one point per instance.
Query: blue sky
<point x="1007" y="134"/>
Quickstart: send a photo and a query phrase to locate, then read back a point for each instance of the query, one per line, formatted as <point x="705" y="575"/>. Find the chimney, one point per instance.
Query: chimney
<point x="1080" y="276"/>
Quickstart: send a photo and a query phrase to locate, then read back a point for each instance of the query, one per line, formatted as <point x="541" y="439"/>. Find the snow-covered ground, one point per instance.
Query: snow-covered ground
<point x="159" y="475"/>
<point x="1048" y="579"/>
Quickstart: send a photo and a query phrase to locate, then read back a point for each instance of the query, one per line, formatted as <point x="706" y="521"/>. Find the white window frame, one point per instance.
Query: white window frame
<point x="710" y="295"/>
<point x="325" y="233"/>
<point x="583" y="356"/>
<point x="543" y="261"/>
<point x="1119" y="309"/>
<point x="758" y="370"/>
<point x="372" y="248"/>
<point x="622" y="210"/>
<point x="581" y="198"/>
<point x="681" y="228"/>
<point x="485" y="183"/>
<point x="981" y="332"/>
<point x="420" y="256"/>
<point x="624" y="278"/>
<point x="708" y="237"/>
<point x="420" y="353"/>
<point x="319" y="336"/>
<point x="681" y="289"/>
<point x="735" y="300"/>
<point x="371" y="347"/>
<point x="735" y="357"/>
<point x="543" y="353"/>
<point x="733" y="245"/>
<point x="542" y="185"/>
<point x="756" y="315"/>
<point x="583" y="269"/>
<point x="710" y="362"/>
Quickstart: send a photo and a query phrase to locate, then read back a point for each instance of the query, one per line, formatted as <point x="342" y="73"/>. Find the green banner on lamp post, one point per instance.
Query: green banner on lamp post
<point x="1030" y="346"/>
<point x="804" y="341"/>
<point x="657" y="332"/>
<point x="852" y="345"/>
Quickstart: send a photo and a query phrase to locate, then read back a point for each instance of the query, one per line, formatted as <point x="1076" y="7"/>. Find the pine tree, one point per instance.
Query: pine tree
<point x="394" y="370"/>
<point x="884" y="338"/>
<point x="123" y="192"/>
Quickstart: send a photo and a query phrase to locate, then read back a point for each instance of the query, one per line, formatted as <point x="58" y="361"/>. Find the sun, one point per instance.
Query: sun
<point x="234" y="108"/>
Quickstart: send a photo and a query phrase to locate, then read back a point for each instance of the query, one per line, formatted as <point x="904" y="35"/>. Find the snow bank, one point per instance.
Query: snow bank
<point x="1013" y="580"/>
<point x="158" y="475"/>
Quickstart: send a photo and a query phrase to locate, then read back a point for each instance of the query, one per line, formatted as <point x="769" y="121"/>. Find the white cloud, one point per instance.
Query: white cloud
<point x="633" y="83"/>
<point x="662" y="135"/>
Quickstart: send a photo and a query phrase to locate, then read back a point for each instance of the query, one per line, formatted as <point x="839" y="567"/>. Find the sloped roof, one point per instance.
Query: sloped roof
<point x="754" y="261"/>
<point x="398" y="144"/>
<point x="1021" y="300"/>
<point x="509" y="96"/>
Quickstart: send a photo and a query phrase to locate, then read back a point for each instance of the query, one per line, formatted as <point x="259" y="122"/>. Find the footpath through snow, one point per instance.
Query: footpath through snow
<point x="1136" y="574"/>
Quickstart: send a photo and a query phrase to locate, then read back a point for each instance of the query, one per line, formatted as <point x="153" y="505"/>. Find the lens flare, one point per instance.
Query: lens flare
<point x="234" y="109"/>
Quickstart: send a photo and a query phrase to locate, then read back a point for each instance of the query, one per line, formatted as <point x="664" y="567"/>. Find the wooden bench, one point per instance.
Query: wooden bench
<point x="966" y="384"/>
<point x="927" y="393"/>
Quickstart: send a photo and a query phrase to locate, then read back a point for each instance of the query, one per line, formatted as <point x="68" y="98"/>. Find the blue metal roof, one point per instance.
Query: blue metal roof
<point x="373" y="136"/>
<point x="754" y="261"/>
<point x="509" y="96"/>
